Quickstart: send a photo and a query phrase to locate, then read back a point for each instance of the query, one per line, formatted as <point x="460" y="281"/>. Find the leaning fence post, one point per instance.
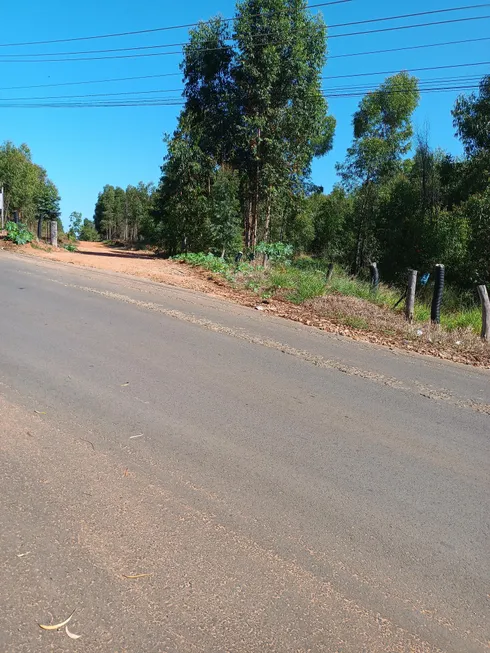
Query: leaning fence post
<point x="410" y="302"/>
<point x="485" y="309"/>
<point x="54" y="233"/>
<point x="435" y="313"/>
<point x="374" y="276"/>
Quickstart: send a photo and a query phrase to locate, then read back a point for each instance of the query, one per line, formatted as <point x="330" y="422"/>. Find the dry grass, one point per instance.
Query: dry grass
<point x="370" y="319"/>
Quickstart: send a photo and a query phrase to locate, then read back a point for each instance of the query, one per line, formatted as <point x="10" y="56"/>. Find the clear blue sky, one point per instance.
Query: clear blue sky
<point x="83" y="149"/>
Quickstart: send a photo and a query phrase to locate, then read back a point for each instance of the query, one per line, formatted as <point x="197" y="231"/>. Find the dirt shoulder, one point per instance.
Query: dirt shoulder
<point x="333" y="313"/>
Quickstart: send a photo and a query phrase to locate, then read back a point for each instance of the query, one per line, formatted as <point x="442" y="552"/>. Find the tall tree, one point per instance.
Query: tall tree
<point x="254" y="106"/>
<point x="224" y="212"/>
<point x="21" y="179"/>
<point x="210" y="113"/>
<point x="104" y="214"/>
<point x="182" y="198"/>
<point x="47" y="204"/>
<point x="382" y="136"/>
<point x="75" y="224"/>
<point x="471" y="116"/>
<point x="120" y="231"/>
<point x="281" y="50"/>
<point x="329" y="214"/>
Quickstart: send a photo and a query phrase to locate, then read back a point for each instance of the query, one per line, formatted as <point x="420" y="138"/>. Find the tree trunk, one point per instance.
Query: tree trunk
<point x="267" y="220"/>
<point x="248" y="222"/>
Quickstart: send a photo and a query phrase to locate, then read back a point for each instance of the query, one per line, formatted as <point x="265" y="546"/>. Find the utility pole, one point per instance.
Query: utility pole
<point x="1" y="208"/>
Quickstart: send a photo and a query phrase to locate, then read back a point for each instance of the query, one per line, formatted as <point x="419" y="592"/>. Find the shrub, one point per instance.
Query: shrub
<point x="276" y="252"/>
<point x="18" y="233"/>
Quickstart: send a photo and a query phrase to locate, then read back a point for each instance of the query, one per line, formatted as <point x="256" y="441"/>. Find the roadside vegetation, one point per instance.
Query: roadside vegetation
<point x="304" y="279"/>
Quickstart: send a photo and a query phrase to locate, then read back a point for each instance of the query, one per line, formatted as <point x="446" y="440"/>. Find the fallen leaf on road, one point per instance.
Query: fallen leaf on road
<point x="40" y="412"/>
<point x="21" y="555"/>
<point x="71" y="635"/>
<point x="56" y="626"/>
<point x="124" y="384"/>
<point x="137" y="575"/>
<point x="126" y="472"/>
<point x="132" y="437"/>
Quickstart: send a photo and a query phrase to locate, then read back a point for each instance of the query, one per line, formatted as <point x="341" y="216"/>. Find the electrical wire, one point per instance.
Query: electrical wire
<point x="182" y="44"/>
<point x="265" y="43"/>
<point x="364" y="87"/>
<point x="141" y="77"/>
<point x="157" y="102"/>
<point x="434" y="84"/>
<point x="408" y="47"/>
<point x="92" y="81"/>
<point x="410" y="70"/>
<point x="401" y="27"/>
<point x="147" y="31"/>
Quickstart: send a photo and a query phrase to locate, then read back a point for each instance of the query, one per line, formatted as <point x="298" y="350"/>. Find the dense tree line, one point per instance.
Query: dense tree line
<point x="125" y="215"/>
<point x="414" y="211"/>
<point x="29" y="195"/>
<point x="237" y="168"/>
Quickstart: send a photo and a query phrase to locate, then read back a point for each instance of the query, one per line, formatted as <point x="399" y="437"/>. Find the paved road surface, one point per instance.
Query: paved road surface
<point x="287" y="490"/>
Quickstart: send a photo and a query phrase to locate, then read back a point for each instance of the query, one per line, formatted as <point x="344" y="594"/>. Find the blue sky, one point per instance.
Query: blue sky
<point x="83" y="149"/>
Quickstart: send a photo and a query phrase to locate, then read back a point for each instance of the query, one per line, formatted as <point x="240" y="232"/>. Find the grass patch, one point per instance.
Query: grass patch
<point x="354" y="321"/>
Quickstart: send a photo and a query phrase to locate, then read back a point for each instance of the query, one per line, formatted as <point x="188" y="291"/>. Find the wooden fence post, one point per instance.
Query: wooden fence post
<point x="374" y="277"/>
<point x="410" y="303"/>
<point x="54" y="233"/>
<point x="329" y="271"/>
<point x="485" y="309"/>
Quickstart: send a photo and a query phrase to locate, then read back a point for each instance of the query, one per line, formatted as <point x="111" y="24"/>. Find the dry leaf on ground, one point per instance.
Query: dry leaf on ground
<point x="56" y="626"/>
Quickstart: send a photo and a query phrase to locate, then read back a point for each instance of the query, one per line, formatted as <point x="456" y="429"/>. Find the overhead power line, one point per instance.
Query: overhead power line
<point x="401" y="27"/>
<point x="410" y="70"/>
<point x="439" y="81"/>
<point x="266" y="43"/>
<point x="182" y="44"/>
<point x="408" y="47"/>
<point x="364" y="32"/>
<point x="328" y="78"/>
<point x="176" y="102"/>
<point x="145" y="31"/>
<point x="92" y="81"/>
<point x="142" y="77"/>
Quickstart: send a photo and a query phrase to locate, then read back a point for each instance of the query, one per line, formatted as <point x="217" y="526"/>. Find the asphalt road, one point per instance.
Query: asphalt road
<point x="285" y="489"/>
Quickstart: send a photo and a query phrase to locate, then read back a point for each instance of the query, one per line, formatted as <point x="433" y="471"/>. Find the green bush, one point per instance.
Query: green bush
<point x="276" y="252"/>
<point x="18" y="233"/>
<point x="70" y="248"/>
<point x="207" y="261"/>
